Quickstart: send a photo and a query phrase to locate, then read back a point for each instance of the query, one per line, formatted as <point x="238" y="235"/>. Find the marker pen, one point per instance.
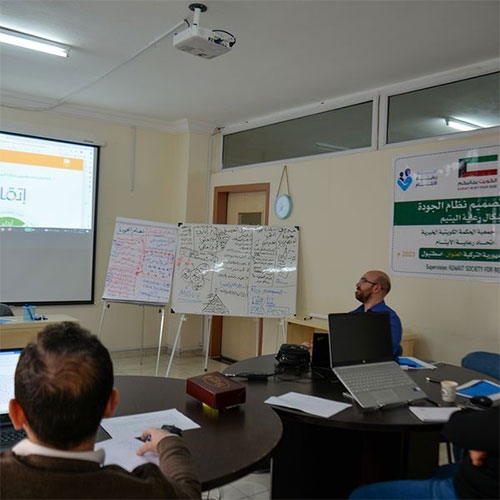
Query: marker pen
<point x="432" y="380"/>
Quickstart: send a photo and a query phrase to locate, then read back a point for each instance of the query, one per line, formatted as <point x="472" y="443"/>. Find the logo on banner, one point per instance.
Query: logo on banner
<point x="405" y="179"/>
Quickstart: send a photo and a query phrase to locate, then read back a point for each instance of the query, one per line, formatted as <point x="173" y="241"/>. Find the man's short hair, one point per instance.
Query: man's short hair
<point x="384" y="281"/>
<point x="63" y="383"/>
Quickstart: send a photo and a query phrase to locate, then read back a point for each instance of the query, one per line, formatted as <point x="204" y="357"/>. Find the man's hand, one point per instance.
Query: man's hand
<point x="477" y="457"/>
<point x="151" y="437"/>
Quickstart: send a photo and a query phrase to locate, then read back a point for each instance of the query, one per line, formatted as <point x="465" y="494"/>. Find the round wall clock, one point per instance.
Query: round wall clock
<point x="283" y="206"/>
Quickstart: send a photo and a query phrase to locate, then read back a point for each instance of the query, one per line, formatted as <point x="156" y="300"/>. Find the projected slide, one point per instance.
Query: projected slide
<point x="42" y="188"/>
<point x="48" y="199"/>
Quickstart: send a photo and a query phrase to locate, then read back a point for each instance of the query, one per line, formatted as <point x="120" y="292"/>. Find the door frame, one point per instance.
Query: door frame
<point x="221" y="195"/>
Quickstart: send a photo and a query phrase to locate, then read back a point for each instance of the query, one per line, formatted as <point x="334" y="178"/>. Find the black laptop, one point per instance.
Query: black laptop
<point x="320" y="351"/>
<point x="362" y="358"/>
<point x="8" y="362"/>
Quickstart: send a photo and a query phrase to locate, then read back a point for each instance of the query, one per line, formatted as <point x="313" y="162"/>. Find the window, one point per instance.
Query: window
<point x="336" y="130"/>
<point x="406" y="115"/>
<point x="429" y="112"/>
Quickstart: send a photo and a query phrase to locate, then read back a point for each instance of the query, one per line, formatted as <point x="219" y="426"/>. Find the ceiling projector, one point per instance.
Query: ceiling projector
<point x="202" y="42"/>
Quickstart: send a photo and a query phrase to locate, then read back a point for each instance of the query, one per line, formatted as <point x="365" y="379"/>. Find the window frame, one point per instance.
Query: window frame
<point x="302" y="112"/>
<point x="380" y="102"/>
<point x="444" y="78"/>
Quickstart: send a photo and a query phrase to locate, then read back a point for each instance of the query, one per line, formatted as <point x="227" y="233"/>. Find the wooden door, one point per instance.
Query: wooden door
<point x="236" y="338"/>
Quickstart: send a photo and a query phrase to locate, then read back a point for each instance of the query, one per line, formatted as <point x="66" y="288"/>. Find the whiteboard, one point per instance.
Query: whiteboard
<point x="141" y="262"/>
<point x="229" y="270"/>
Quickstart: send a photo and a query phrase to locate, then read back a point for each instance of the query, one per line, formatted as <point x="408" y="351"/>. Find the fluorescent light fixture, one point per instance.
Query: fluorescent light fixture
<point x="33" y="42"/>
<point x="330" y="147"/>
<point x="460" y="124"/>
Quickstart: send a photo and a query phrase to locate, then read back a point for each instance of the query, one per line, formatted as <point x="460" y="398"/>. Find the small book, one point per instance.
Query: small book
<point x="479" y="388"/>
<point x="216" y="390"/>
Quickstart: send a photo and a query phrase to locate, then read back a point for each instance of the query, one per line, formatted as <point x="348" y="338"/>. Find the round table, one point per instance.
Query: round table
<point x="227" y="446"/>
<point x="361" y="447"/>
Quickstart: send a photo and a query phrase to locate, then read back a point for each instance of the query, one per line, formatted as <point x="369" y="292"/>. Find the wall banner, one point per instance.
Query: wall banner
<point x="446" y="215"/>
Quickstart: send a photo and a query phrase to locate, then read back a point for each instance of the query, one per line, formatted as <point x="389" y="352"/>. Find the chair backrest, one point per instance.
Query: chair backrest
<point x="484" y="362"/>
<point x="5" y="310"/>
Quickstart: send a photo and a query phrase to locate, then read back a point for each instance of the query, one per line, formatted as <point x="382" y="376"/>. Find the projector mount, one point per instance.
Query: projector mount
<point x="197" y="8"/>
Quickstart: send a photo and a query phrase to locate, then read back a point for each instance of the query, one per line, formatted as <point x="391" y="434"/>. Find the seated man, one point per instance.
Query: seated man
<point x="476" y="476"/>
<point x="63" y="388"/>
<point x="371" y="290"/>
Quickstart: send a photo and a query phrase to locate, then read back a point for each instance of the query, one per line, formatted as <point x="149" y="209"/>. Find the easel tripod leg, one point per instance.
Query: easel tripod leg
<point x="179" y="328"/>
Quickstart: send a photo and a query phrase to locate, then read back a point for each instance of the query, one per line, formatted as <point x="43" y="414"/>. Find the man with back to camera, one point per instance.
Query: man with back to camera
<point x="371" y="290"/>
<point x="476" y="475"/>
<point x="63" y="388"/>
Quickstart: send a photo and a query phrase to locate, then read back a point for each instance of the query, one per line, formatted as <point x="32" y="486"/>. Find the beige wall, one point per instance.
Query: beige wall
<point x="343" y="207"/>
<point x="156" y="186"/>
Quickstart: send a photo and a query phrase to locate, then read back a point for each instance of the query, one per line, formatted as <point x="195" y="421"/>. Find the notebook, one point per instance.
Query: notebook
<point x="361" y="357"/>
<point x="8" y="362"/>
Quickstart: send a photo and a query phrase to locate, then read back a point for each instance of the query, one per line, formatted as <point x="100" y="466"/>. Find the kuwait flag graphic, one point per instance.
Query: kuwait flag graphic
<point x="478" y="166"/>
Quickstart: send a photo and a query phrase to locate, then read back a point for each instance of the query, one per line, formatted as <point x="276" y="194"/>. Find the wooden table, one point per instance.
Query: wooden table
<point x="227" y="446"/>
<point x="17" y="332"/>
<point x="300" y="330"/>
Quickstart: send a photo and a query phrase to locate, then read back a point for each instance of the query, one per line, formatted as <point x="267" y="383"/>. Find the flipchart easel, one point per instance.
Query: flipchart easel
<point x="235" y="270"/>
<point x="106" y="305"/>
<point x="140" y="269"/>
<point x="183" y="318"/>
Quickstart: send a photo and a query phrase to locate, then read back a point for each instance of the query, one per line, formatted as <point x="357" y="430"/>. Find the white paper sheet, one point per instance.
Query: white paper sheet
<point x="308" y="404"/>
<point x="123" y="452"/>
<point x="131" y="426"/>
<point x="429" y="414"/>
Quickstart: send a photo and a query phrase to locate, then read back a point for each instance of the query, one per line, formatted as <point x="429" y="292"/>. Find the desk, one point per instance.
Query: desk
<point x="226" y="447"/>
<point x="361" y="447"/>
<point x="301" y="330"/>
<point x="17" y="332"/>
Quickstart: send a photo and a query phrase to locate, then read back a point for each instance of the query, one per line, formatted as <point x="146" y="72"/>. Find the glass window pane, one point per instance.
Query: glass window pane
<point x="424" y="113"/>
<point x="250" y="218"/>
<point x="331" y="131"/>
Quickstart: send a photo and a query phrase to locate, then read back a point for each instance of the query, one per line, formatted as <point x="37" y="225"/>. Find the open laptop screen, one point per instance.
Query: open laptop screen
<point x="357" y="338"/>
<point x="8" y="363"/>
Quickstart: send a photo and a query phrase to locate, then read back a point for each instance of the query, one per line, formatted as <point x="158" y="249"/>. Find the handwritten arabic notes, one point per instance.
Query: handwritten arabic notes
<point x="141" y="262"/>
<point x="231" y="270"/>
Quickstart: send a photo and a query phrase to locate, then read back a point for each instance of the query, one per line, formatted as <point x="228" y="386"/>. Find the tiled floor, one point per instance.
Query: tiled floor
<point x="253" y="486"/>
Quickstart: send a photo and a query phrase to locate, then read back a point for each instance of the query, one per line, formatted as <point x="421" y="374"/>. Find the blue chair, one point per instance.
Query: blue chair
<point x="487" y="363"/>
<point x="483" y="362"/>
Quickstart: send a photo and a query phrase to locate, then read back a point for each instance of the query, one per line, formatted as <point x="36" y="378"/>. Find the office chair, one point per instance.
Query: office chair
<point x="483" y="362"/>
<point x="5" y="310"/>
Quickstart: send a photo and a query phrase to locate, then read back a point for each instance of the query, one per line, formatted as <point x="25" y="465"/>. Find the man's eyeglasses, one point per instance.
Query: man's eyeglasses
<point x="364" y="280"/>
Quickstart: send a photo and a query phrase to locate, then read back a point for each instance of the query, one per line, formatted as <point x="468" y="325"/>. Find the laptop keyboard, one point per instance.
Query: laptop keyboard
<point x="10" y="437"/>
<point x="372" y="378"/>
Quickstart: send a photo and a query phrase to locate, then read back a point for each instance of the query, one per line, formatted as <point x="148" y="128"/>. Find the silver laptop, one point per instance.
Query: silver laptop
<point x="361" y="357"/>
<point x="8" y="362"/>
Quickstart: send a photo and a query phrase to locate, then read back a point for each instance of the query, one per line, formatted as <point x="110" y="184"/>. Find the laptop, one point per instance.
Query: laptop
<point x="8" y="362"/>
<point x="320" y="357"/>
<point x="362" y="358"/>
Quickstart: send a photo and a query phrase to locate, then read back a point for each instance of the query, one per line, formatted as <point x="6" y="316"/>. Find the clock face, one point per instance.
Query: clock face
<point x="283" y="206"/>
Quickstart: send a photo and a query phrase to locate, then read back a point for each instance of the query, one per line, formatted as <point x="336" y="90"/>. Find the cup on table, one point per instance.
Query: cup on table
<point x="449" y="390"/>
